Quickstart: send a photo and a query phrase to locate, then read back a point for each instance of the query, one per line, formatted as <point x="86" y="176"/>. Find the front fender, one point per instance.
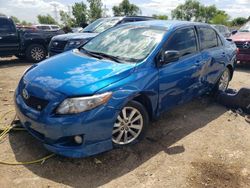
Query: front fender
<point x="136" y="84"/>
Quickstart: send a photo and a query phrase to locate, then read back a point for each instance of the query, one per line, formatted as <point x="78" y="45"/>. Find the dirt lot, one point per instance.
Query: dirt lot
<point x="200" y="144"/>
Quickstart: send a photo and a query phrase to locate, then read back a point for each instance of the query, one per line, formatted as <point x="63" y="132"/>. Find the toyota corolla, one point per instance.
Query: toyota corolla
<point x="104" y="94"/>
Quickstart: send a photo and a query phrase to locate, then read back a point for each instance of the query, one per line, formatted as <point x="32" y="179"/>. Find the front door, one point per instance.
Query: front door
<point x="179" y="81"/>
<point x="9" y="43"/>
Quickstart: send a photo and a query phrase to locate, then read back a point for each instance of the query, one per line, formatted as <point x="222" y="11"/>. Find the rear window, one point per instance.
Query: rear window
<point x="208" y="38"/>
<point x="6" y="26"/>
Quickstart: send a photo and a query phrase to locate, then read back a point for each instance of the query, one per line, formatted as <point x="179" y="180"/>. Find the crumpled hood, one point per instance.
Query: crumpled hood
<point x="241" y="36"/>
<point x="76" y="74"/>
<point x="74" y="36"/>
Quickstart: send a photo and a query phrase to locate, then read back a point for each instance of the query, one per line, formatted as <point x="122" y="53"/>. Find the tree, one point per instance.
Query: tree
<point x="189" y="11"/>
<point x="207" y="13"/>
<point x="220" y="18"/>
<point x="95" y="9"/>
<point x="79" y="11"/>
<point x="238" y="21"/>
<point x="66" y="19"/>
<point x="160" y="16"/>
<point x="25" y="23"/>
<point x="125" y="8"/>
<point x="15" y="19"/>
<point x="46" y="19"/>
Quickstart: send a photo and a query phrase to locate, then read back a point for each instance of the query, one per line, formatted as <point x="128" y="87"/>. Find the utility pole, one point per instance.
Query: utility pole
<point x="105" y="10"/>
<point x="55" y="11"/>
<point x="69" y="10"/>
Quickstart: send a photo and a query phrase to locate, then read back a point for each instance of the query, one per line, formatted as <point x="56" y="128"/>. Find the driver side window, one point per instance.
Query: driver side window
<point x="183" y="40"/>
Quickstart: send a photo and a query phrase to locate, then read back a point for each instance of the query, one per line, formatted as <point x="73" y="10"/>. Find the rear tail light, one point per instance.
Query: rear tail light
<point x="238" y="51"/>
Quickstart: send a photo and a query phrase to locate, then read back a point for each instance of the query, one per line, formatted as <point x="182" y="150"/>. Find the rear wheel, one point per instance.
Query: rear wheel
<point x="36" y="53"/>
<point x="130" y="125"/>
<point x="224" y="80"/>
<point x="222" y="83"/>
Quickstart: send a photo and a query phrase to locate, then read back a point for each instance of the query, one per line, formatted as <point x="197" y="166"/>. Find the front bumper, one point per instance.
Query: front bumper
<point x="56" y="132"/>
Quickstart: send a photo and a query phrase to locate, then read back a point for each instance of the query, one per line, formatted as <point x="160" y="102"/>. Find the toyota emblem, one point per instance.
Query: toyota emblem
<point x="246" y="45"/>
<point x="25" y="94"/>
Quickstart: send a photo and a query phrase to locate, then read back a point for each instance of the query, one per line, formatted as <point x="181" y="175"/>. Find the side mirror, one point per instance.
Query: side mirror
<point x="170" y="56"/>
<point x="234" y="32"/>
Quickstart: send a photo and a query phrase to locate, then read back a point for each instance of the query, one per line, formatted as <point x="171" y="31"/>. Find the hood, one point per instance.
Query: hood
<point x="241" y="36"/>
<point x="74" y="36"/>
<point x="75" y="74"/>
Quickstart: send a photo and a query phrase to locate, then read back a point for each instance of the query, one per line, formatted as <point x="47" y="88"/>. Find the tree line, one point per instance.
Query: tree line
<point x="190" y="10"/>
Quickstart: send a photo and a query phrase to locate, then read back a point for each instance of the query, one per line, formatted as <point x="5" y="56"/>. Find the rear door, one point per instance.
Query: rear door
<point x="179" y="81"/>
<point x="213" y="54"/>
<point x="9" y="42"/>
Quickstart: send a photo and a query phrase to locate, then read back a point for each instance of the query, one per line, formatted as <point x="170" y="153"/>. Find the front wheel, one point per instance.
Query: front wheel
<point x="130" y="125"/>
<point x="36" y="53"/>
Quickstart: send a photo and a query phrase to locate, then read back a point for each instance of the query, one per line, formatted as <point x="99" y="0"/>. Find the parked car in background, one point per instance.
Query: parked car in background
<point x="102" y="95"/>
<point x="47" y="27"/>
<point x="77" y="29"/>
<point x="242" y="41"/>
<point x="70" y="41"/>
<point x="24" y="42"/>
<point x="223" y="30"/>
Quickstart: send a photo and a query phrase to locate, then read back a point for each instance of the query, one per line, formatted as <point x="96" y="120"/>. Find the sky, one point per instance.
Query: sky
<point x="29" y="9"/>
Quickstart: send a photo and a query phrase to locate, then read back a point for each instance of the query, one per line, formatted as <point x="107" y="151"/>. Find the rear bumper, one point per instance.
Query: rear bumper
<point x="243" y="57"/>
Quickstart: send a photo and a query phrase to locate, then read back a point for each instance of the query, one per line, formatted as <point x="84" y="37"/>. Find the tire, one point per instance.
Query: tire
<point x="131" y="128"/>
<point x="223" y="82"/>
<point x="36" y="53"/>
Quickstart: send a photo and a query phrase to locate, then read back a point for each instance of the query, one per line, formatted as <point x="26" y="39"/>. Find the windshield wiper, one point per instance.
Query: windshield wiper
<point x="113" y="58"/>
<point x="91" y="54"/>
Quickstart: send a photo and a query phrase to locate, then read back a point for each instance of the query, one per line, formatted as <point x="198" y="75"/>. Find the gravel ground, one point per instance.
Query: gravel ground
<point x="200" y="144"/>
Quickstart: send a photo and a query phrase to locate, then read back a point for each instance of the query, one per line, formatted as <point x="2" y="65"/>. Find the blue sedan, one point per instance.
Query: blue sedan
<point x="104" y="94"/>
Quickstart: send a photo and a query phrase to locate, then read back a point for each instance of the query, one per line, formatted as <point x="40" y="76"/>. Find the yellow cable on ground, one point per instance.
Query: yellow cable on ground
<point x="5" y="131"/>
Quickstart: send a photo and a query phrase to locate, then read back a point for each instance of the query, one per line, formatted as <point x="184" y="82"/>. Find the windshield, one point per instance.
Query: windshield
<point x="101" y="25"/>
<point x="128" y="42"/>
<point x="245" y="28"/>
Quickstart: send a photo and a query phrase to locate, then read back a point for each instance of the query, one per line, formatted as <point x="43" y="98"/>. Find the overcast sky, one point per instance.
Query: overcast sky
<point x="29" y="9"/>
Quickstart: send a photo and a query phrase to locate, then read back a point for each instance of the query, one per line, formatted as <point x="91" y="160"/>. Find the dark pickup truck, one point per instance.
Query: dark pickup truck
<point x="29" y="44"/>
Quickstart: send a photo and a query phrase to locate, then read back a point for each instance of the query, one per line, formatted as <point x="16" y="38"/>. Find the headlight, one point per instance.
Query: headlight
<point x="74" y="44"/>
<point x="81" y="104"/>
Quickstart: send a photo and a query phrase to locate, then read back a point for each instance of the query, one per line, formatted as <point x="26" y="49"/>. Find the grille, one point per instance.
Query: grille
<point x="58" y="45"/>
<point x="36" y="103"/>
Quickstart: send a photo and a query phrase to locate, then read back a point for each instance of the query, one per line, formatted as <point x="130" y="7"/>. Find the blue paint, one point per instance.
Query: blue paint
<point x="74" y="74"/>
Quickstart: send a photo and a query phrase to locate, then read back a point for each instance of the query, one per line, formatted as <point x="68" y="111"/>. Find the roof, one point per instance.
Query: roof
<point x="3" y="16"/>
<point x="168" y="24"/>
<point x="148" y="17"/>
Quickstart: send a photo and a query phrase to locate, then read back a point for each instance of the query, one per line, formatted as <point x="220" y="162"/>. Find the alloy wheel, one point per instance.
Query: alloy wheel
<point x="128" y="126"/>
<point x="37" y="53"/>
<point x="224" y="80"/>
